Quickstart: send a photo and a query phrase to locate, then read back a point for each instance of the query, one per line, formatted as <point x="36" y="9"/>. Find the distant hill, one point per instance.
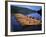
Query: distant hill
<point x="15" y="9"/>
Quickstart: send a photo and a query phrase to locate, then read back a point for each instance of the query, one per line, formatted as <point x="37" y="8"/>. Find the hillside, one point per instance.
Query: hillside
<point x="15" y="9"/>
